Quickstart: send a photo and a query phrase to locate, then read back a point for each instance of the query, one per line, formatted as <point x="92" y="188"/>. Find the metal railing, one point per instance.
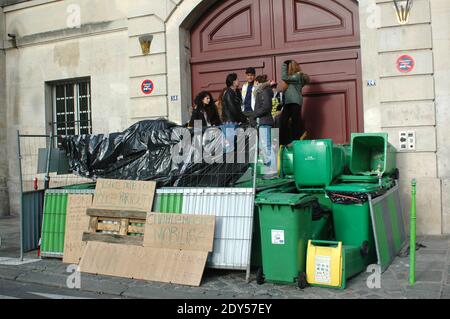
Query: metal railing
<point x="33" y="183"/>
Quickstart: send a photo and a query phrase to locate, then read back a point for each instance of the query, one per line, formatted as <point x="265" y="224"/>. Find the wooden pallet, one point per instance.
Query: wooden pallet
<point x="116" y="226"/>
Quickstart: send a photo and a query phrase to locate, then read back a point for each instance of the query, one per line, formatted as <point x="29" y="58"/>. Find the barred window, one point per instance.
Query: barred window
<point x="72" y="108"/>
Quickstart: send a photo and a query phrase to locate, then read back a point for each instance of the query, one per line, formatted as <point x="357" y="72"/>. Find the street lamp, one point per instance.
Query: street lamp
<point x="403" y="9"/>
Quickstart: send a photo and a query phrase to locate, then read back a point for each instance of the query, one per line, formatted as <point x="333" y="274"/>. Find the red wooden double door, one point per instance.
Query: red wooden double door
<point x="323" y="35"/>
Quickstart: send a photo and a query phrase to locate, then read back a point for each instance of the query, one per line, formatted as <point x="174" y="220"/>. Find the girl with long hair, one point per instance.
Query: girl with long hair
<point x="295" y="80"/>
<point x="205" y="110"/>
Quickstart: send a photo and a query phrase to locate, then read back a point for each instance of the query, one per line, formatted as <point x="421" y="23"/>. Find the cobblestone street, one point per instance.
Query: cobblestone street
<point x="432" y="276"/>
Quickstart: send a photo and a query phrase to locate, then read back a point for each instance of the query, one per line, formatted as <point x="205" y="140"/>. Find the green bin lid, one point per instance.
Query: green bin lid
<point x="290" y="199"/>
<point x="358" y="178"/>
<point x="262" y="184"/>
<point x="354" y="188"/>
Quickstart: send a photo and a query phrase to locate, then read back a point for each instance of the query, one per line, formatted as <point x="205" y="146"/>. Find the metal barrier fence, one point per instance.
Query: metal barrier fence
<point x="54" y="220"/>
<point x="233" y="205"/>
<point x="31" y="217"/>
<point x="35" y="176"/>
<point x="233" y="208"/>
<point x="36" y="153"/>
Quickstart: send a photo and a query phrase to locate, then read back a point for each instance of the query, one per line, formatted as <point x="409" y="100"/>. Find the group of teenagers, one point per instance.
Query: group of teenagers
<point x="259" y="104"/>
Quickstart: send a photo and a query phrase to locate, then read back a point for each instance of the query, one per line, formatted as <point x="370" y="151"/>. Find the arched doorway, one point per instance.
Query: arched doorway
<point x="322" y="35"/>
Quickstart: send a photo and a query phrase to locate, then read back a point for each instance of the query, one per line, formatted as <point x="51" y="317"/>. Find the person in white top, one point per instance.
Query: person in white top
<point x="248" y="91"/>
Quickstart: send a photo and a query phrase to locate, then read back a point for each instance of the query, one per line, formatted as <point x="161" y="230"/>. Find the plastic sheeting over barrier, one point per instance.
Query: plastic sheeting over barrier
<point x="148" y="149"/>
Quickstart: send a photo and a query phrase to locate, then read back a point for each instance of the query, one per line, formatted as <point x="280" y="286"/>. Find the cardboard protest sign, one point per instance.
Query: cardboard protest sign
<point x="178" y="231"/>
<point x="124" y="195"/>
<point x="77" y="221"/>
<point x="175" y="251"/>
<point x="145" y="263"/>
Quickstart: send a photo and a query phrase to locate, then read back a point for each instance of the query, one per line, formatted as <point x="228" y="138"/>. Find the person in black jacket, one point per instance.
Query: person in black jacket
<point x="263" y="102"/>
<point x="232" y="114"/>
<point x="232" y="101"/>
<point x="263" y="115"/>
<point x="205" y="110"/>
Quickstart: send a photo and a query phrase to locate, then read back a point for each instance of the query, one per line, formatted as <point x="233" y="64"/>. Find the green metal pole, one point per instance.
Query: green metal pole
<point x="412" y="243"/>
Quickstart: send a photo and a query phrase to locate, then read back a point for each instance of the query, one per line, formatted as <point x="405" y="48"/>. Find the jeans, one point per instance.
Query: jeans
<point x="268" y="150"/>
<point x="229" y="132"/>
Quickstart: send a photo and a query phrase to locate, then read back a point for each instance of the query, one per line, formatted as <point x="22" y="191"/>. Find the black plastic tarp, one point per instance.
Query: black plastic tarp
<point x="145" y="152"/>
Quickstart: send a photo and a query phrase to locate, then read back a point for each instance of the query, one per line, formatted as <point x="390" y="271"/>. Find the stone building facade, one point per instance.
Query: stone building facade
<point x="100" y="40"/>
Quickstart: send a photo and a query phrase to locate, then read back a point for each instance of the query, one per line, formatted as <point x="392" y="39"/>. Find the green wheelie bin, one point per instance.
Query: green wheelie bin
<point x="351" y="217"/>
<point x="317" y="163"/>
<point x="286" y="226"/>
<point x="264" y="187"/>
<point x="286" y="162"/>
<point x="321" y="226"/>
<point x="372" y="154"/>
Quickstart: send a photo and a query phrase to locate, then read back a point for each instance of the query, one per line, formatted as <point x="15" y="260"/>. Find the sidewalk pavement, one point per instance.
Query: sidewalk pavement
<point x="432" y="276"/>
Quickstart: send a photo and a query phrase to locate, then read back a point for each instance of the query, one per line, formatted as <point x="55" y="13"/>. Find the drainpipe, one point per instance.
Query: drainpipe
<point x="4" y="196"/>
<point x="412" y="243"/>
